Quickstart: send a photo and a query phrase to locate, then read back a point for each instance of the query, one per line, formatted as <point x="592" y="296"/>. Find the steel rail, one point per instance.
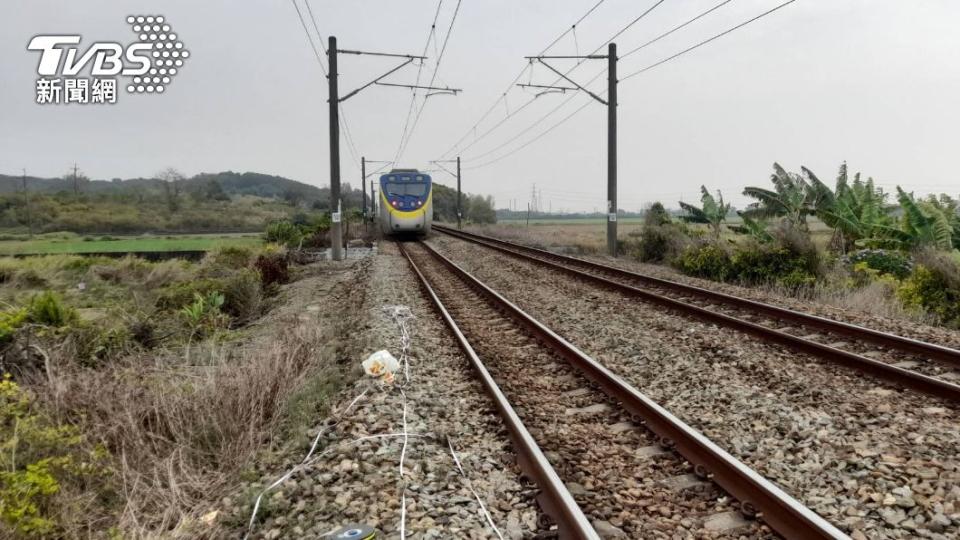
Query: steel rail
<point x="904" y="344"/>
<point x="554" y="498"/>
<point x="888" y="372"/>
<point x="756" y="494"/>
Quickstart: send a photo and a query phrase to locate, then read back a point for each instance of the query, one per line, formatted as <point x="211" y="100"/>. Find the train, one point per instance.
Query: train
<point x="406" y="203"/>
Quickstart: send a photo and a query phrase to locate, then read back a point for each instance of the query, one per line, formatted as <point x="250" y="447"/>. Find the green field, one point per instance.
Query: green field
<point x="569" y="221"/>
<point x="66" y="243"/>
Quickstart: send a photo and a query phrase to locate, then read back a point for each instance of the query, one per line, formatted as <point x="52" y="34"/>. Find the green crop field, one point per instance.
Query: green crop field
<point x="66" y="243"/>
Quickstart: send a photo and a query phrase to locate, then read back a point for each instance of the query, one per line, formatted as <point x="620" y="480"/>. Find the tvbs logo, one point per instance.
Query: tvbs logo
<point x="147" y="66"/>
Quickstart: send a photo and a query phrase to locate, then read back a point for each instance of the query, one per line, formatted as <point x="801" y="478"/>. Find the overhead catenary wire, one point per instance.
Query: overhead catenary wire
<point x="567" y="72"/>
<point x="433" y="78"/>
<point x="432" y="35"/>
<point x="473" y="129"/>
<point x="343" y="114"/>
<point x="345" y="127"/>
<point x="638" y="72"/>
<point x="708" y="40"/>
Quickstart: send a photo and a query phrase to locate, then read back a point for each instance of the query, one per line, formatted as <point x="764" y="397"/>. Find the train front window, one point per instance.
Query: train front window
<point x="415" y="189"/>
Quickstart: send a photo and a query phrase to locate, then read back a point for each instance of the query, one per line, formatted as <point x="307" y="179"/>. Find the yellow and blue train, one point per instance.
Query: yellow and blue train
<point x="406" y="202"/>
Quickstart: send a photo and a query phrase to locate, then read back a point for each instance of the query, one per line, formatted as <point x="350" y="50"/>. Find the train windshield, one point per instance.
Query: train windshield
<point x="416" y="189"/>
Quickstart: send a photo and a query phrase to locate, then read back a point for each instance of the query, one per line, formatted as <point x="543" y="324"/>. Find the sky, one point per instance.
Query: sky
<point x="870" y="82"/>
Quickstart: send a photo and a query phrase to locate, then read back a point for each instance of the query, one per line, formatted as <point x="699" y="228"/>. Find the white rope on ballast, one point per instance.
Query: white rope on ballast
<point x="401" y="315"/>
<point x="469" y="484"/>
<point x="326" y="451"/>
<point x="313" y="447"/>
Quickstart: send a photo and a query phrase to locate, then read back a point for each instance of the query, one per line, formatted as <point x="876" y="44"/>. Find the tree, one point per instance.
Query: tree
<point x="791" y="198"/>
<point x="923" y="224"/>
<point x="172" y="183"/>
<point x="712" y="211"/>
<point x="755" y="228"/>
<point x="856" y="212"/>
<point x="77" y="179"/>
<point x="656" y="215"/>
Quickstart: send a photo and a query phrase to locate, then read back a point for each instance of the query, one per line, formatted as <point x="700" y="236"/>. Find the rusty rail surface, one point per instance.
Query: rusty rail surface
<point x="888" y="372"/>
<point x="757" y="495"/>
<point x="554" y="498"/>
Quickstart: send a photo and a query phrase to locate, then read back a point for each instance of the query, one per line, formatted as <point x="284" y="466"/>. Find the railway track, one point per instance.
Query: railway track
<point x="903" y="361"/>
<point x="612" y="457"/>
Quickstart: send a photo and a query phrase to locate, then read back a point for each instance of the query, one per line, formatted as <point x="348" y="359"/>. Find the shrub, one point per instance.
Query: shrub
<point x="92" y="344"/>
<point x="48" y="309"/>
<point x="204" y="313"/>
<point x="934" y="287"/>
<point x="273" y="269"/>
<point x="708" y="261"/>
<point x="173" y="297"/>
<point x="757" y="263"/>
<point x="10" y="321"/>
<point x="888" y="262"/>
<point x="283" y="233"/>
<point x="660" y="243"/>
<point x="234" y="257"/>
<point x="243" y="297"/>
<point x="38" y="458"/>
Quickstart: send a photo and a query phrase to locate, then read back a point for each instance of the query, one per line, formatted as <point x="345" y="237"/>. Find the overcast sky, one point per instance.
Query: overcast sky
<point x="872" y="82"/>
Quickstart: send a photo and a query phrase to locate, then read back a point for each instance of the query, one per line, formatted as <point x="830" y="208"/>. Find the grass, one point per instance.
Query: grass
<point x="588" y="235"/>
<point x="67" y="244"/>
<point x="570" y="221"/>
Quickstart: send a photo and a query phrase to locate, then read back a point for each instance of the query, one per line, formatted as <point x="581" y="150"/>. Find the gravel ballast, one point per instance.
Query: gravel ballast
<point x="873" y="460"/>
<point x="361" y="482"/>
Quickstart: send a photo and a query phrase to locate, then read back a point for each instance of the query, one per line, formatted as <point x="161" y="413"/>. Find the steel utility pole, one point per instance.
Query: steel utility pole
<point x="459" y="197"/>
<point x="336" y="233"/>
<point x="363" y="186"/>
<point x="459" y="203"/>
<point x="611" y="103"/>
<point x="334" y="100"/>
<point x="612" y="149"/>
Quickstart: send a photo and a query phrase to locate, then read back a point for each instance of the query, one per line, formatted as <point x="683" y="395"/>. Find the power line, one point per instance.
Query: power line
<point x="531" y="141"/>
<point x="309" y="37"/>
<point x="700" y="44"/>
<point x="575" y="66"/>
<point x="675" y="28"/>
<point x="535" y="124"/>
<point x="413" y="98"/>
<point x="436" y="70"/>
<point x="343" y="115"/>
<point x="708" y="40"/>
<point x="517" y="78"/>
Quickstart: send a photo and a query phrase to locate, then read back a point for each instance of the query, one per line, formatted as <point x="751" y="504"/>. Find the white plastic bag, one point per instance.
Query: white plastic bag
<point x="380" y="363"/>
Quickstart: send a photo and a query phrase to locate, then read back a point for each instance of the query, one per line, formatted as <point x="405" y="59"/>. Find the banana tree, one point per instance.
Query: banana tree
<point x="922" y="224"/>
<point x="712" y="211"/>
<point x="755" y="228"/>
<point x="790" y="198"/>
<point x="855" y="211"/>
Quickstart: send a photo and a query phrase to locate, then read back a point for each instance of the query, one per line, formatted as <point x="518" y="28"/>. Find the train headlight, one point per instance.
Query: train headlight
<point x="394" y="203"/>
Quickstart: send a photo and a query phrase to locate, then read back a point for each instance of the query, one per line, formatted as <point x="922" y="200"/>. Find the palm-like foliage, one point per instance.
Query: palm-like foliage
<point x="791" y="198"/>
<point x="856" y="211"/>
<point x="756" y="228"/>
<point x="712" y="211"/>
<point x="924" y="223"/>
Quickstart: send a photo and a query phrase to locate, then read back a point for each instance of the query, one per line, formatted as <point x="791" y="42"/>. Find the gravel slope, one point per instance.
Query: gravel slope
<point x="872" y="460"/>
<point x="444" y="405"/>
